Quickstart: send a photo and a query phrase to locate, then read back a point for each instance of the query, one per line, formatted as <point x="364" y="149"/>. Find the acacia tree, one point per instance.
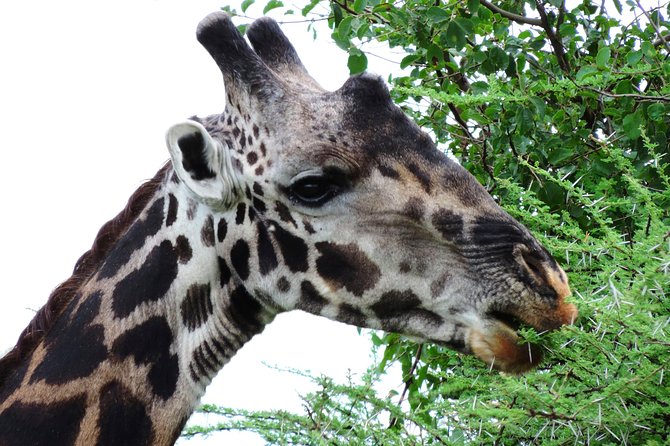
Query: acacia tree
<point x="563" y="112"/>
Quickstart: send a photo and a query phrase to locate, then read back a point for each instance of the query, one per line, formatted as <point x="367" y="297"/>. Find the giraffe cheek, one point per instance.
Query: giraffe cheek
<point x="498" y="346"/>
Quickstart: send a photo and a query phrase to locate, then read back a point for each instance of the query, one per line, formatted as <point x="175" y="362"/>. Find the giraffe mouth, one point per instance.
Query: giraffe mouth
<point x="497" y="343"/>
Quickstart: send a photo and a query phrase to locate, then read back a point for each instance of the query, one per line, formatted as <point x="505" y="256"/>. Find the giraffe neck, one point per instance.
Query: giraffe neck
<point x="130" y="356"/>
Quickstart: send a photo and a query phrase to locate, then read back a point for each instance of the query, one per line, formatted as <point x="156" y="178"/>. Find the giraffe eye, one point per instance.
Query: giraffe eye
<point x="314" y="190"/>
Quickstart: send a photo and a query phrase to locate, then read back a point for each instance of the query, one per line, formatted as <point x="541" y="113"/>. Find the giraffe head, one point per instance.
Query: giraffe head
<point x="341" y="206"/>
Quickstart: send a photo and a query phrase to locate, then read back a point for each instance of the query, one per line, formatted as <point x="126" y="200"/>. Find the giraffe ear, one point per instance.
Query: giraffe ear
<point x="202" y="164"/>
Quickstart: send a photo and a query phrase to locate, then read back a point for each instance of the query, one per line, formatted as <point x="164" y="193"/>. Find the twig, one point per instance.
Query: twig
<point x="510" y="15"/>
<point x="655" y="25"/>
<point x="408" y="382"/>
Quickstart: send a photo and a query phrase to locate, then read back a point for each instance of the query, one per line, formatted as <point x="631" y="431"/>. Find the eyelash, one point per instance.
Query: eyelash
<point x="315" y="190"/>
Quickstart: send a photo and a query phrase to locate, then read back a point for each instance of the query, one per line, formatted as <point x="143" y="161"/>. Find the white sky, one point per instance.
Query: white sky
<point x="87" y="90"/>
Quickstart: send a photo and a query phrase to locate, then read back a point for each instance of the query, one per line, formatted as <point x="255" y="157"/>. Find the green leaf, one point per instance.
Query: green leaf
<point x="525" y="120"/>
<point x="308" y="8"/>
<point x="357" y="62"/>
<point x="657" y="112"/>
<point x="603" y="57"/>
<point x="559" y="154"/>
<point x="454" y="36"/>
<point x="272" y="4"/>
<point x="479" y="87"/>
<point x="633" y="57"/>
<point x="631" y="125"/>
<point x="586" y="71"/>
<point x="344" y="28"/>
<point x="409" y="60"/>
<point x="359" y="5"/>
<point x="245" y="5"/>
<point x="437" y="15"/>
<point x="337" y="13"/>
<point x="540" y="106"/>
<point x="473" y="6"/>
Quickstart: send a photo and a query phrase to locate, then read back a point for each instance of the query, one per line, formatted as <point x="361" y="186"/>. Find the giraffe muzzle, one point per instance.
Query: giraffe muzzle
<point x="497" y="343"/>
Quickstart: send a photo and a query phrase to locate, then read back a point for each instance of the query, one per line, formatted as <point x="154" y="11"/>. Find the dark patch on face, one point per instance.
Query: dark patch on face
<point x="184" y="251"/>
<point x="67" y="357"/>
<point x="123" y="417"/>
<point x="285" y="214"/>
<point x="267" y="258"/>
<point x="13" y="380"/>
<point x="263" y="148"/>
<point x="173" y="207"/>
<point x="283" y="285"/>
<point x="149" y="283"/>
<point x="221" y="230"/>
<point x="239" y="215"/>
<point x="224" y="272"/>
<point x="259" y="171"/>
<point x="421" y="175"/>
<point x="237" y="165"/>
<point x="259" y="205"/>
<point x="133" y="239"/>
<point x="293" y="249"/>
<point x="191" y="210"/>
<point x="308" y="227"/>
<point x="205" y="361"/>
<point x="388" y="172"/>
<point x="250" y="140"/>
<point x="346" y="266"/>
<point x="255" y="130"/>
<point x="244" y="311"/>
<point x="236" y="132"/>
<point x="239" y="257"/>
<point x="55" y="424"/>
<point x="252" y="157"/>
<point x="252" y="214"/>
<point x="194" y="160"/>
<point x="258" y="189"/>
<point x="396" y="308"/>
<point x="197" y="305"/>
<point x="405" y="267"/>
<point x="414" y="209"/>
<point x="437" y="285"/>
<point x="243" y="141"/>
<point x="395" y="303"/>
<point x="351" y="315"/>
<point x="149" y="344"/>
<point x="449" y="224"/>
<point x="310" y="300"/>
<point x="207" y="232"/>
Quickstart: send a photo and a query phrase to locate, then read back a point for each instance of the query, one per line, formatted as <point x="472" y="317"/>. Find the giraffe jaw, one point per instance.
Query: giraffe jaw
<point x="497" y="343"/>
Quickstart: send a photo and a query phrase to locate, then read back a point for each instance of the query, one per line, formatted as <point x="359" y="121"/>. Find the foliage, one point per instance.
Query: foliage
<point x="563" y="112"/>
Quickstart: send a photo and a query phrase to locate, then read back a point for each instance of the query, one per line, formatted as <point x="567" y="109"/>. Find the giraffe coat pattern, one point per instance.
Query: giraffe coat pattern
<point x="294" y="197"/>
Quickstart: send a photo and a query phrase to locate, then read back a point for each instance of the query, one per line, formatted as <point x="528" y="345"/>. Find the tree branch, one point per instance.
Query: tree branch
<point x="510" y="15"/>
<point x="554" y="38"/>
<point x="663" y="40"/>
<point x="408" y="382"/>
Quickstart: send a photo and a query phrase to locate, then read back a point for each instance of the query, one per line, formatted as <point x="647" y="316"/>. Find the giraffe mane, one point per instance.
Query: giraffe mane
<point x="85" y="267"/>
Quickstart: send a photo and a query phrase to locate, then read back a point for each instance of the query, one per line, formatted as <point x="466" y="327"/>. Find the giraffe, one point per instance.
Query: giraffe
<point x="333" y="203"/>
